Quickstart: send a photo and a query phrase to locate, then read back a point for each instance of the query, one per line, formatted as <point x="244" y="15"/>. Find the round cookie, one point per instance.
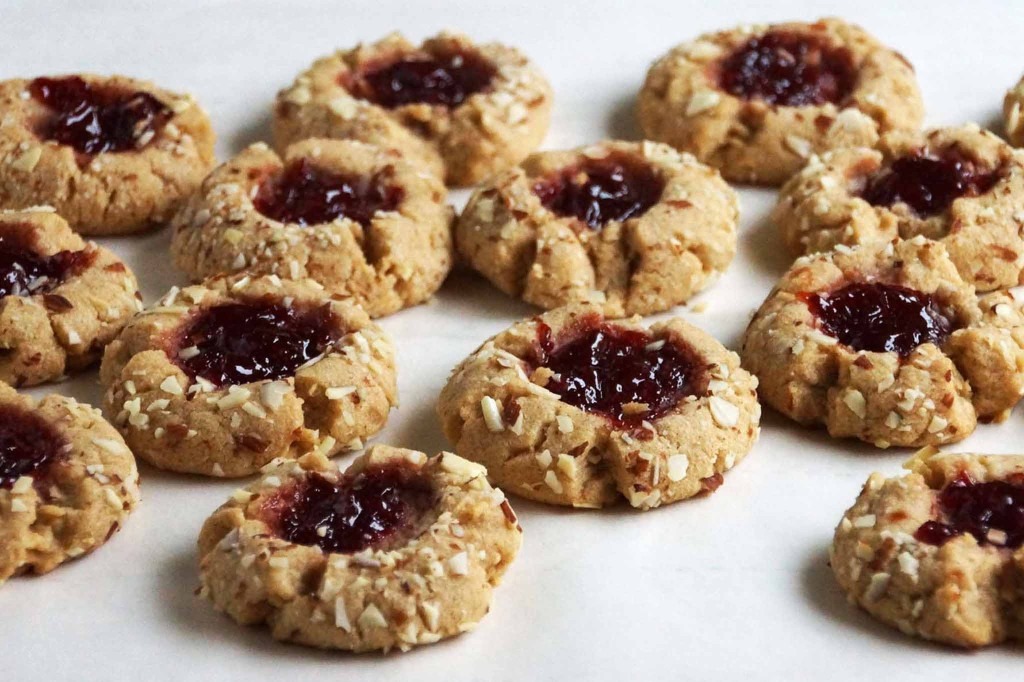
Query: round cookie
<point x="1012" y="119"/>
<point x="397" y="551"/>
<point x="961" y="186"/>
<point x="937" y="552"/>
<point x="354" y="217"/>
<point x="61" y="299"/>
<point x="219" y="379"/>
<point x="886" y="343"/>
<point x="113" y="155"/>
<point x="575" y="409"/>
<point x="757" y="101"/>
<point x="460" y="110"/>
<point x="67" y="482"/>
<point x="638" y="225"/>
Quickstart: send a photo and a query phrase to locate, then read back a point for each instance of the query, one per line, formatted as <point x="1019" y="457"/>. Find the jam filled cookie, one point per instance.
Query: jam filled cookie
<point x="67" y="482"/>
<point x="61" y="299"/>
<point x="221" y="378"/>
<point x="937" y="553"/>
<point x="961" y="186"/>
<point x="1013" y="116"/>
<point x="886" y="343"/>
<point x="574" y="409"/>
<point x="397" y="551"/>
<point x="113" y="155"/>
<point x="757" y="102"/>
<point x="638" y="225"/>
<point x="460" y="110"/>
<point x="354" y="217"/>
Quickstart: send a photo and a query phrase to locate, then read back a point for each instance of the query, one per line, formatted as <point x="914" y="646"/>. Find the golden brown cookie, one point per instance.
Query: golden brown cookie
<point x="67" y="482"/>
<point x="354" y="217"/>
<point x="397" y="551"/>
<point x="457" y="109"/>
<point x="757" y="101"/>
<point x="61" y="299"/>
<point x="571" y="408"/>
<point x="221" y="378"/>
<point x="635" y="224"/>
<point x="886" y="343"/>
<point x="937" y="552"/>
<point x="1012" y="114"/>
<point x="113" y="155"/>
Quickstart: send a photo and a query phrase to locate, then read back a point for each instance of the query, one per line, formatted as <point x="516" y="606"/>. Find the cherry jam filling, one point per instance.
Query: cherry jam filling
<point x="96" y="118"/>
<point x="788" y="69"/>
<point x="993" y="512"/>
<point x="598" y="191"/>
<point x="25" y="272"/>
<point x="307" y="195"/>
<point x="239" y="343"/>
<point x="605" y="368"/>
<point x="377" y="508"/>
<point x="445" y="79"/>
<point x="28" y="445"/>
<point x="929" y="184"/>
<point x="875" y="317"/>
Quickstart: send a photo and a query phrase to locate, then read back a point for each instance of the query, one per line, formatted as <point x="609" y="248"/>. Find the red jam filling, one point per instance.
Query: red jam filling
<point x="28" y="444"/>
<point x="95" y="118"/>
<point x="446" y="79"/>
<point x="307" y="195"/>
<point x="377" y="508"/>
<point x="598" y="191"/>
<point x="239" y="343"/>
<point x="880" y="317"/>
<point x="992" y="512"/>
<point x="929" y="184"/>
<point x="603" y="368"/>
<point x="25" y="272"/>
<point x="788" y="69"/>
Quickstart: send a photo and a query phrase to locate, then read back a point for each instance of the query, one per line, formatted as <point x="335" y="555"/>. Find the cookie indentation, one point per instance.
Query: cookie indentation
<point x="27" y="444"/>
<point x="991" y="511"/>
<point x="446" y="79"/>
<point x="929" y="184"/>
<point x="24" y="272"/>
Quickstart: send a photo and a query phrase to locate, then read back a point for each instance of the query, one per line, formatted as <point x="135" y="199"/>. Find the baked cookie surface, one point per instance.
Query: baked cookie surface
<point x="356" y="218"/>
<point x="219" y="379"/>
<point x="937" y="552"/>
<point x="756" y="102"/>
<point x="961" y="186"/>
<point x="67" y="482"/>
<point x="886" y="343"/>
<point x="113" y="155"/>
<point x="459" y="110"/>
<point x="574" y="409"/>
<point x="1013" y="114"/>
<point x="61" y="299"/>
<point x="397" y="551"/>
<point x="637" y="224"/>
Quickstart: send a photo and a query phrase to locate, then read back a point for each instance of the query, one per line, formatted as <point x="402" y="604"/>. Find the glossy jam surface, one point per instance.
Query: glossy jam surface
<point x="27" y="445"/>
<point x="94" y="118"/>
<point x="598" y="191"/>
<point x="928" y="184"/>
<point x="602" y="368"/>
<point x="239" y="343"/>
<point x="880" y="317"/>
<point x="377" y="508"/>
<point x="25" y="272"/>
<point x="447" y="79"/>
<point x="307" y="195"/>
<point x="992" y="512"/>
<point x="788" y="69"/>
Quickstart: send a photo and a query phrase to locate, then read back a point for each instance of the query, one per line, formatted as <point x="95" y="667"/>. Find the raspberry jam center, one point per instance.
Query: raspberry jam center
<point x="378" y="508"/>
<point x="27" y="444"/>
<point x="307" y="195"/>
<point x="598" y="191"/>
<point x="928" y="184"/>
<point x="623" y="374"/>
<point x="441" y="79"/>
<point x="24" y="272"/>
<point x="992" y="512"/>
<point x="95" y="118"/>
<point x="789" y="69"/>
<point x="239" y="343"/>
<point x="880" y="317"/>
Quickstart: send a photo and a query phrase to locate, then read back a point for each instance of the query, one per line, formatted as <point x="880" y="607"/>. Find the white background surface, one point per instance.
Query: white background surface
<point x="728" y="587"/>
